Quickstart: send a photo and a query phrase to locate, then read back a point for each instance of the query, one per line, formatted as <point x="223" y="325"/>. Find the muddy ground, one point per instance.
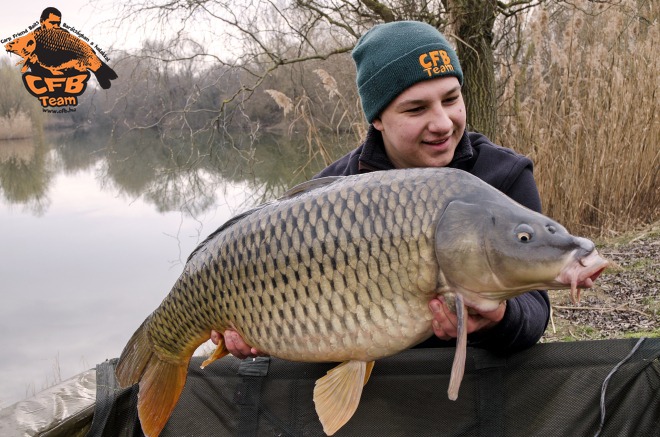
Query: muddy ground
<point x="626" y="299"/>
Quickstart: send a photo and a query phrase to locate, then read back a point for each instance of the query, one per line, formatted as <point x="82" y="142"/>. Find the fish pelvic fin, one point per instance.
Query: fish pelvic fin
<point x="458" y="366"/>
<point x="337" y="394"/>
<point x="367" y="373"/>
<point x="218" y="353"/>
<point x="161" y="380"/>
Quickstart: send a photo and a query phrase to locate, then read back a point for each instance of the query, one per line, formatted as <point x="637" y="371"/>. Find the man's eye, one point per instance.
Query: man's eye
<point x="415" y="109"/>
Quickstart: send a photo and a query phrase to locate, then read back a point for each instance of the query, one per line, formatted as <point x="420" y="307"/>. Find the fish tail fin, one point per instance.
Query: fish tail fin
<point x="104" y="74"/>
<point x="161" y="380"/>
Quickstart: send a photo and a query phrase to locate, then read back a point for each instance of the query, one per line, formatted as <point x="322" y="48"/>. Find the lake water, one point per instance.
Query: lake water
<point x="94" y="232"/>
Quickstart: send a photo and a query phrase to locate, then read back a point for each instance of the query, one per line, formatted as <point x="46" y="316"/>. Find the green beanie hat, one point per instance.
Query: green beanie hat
<point x="392" y="57"/>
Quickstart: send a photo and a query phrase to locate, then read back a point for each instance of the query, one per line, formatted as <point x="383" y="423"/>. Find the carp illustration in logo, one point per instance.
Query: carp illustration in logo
<point x="56" y="59"/>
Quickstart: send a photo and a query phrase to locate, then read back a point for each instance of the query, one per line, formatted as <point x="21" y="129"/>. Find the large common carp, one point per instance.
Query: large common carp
<point x="342" y="270"/>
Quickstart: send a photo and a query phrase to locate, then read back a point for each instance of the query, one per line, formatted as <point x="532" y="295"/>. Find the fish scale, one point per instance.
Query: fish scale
<point x="342" y="269"/>
<point x="60" y="40"/>
<point x="336" y="220"/>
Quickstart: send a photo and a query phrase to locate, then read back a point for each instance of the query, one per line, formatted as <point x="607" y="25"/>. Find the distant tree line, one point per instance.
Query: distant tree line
<point x="573" y="84"/>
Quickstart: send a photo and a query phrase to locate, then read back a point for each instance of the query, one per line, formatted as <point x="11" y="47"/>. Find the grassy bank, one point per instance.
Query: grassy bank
<point x="626" y="299"/>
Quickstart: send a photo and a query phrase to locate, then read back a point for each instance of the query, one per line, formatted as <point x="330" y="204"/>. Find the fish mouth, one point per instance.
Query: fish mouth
<point x="581" y="273"/>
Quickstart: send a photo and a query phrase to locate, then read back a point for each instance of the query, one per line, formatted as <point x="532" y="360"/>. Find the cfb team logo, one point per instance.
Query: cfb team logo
<point x="59" y="63"/>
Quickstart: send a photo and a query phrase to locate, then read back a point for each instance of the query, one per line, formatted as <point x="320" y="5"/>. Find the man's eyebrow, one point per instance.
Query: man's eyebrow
<point x="409" y="102"/>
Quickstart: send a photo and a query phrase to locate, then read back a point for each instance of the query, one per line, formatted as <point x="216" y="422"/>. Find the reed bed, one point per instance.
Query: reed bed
<point x="579" y="87"/>
<point x="582" y="102"/>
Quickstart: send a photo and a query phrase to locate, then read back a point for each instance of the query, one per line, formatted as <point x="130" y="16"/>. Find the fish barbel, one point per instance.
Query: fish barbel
<point x="342" y="269"/>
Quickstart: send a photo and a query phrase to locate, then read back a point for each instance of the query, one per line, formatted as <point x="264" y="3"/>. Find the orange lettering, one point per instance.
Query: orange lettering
<point x="423" y="63"/>
<point x="54" y="82"/>
<point x="434" y="57"/>
<point x="31" y="82"/>
<point x="76" y="84"/>
<point x="445" y="57"/>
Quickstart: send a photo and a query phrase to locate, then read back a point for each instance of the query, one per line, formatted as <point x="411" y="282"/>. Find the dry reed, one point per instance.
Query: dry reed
<point x="582" y="103"/>
<point x="316" y="147"/>
<point x="580" y="98"/>
<point x="316" y="137"/>
<point x="283" y="101"/>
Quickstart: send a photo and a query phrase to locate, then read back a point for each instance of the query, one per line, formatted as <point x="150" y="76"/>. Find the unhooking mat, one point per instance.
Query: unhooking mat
<point x="588" y="388"/>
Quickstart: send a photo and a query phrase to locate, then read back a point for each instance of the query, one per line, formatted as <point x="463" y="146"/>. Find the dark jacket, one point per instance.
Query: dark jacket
<point x="527" y="315"/>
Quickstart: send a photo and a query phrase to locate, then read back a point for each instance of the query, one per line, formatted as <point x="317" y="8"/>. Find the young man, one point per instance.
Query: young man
<point x="409" y="80"/>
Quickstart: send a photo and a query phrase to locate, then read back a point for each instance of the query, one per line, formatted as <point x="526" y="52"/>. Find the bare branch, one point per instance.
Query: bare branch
<point x="381" y="10"/>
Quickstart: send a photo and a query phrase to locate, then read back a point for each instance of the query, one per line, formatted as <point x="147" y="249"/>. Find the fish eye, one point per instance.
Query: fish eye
<point x="524" y="233"/>
<point x="551" y="229"/>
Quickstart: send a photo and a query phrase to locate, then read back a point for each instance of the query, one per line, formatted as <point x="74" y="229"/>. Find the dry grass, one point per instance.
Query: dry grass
<point x="580" y="97"/>
<point x="624" y="302"/>
<point x="303" y="118"/>
<point x="582" y="103"/>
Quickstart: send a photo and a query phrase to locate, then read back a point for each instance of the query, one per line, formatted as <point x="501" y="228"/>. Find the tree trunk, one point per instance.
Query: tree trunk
<point x="473" y="23"/>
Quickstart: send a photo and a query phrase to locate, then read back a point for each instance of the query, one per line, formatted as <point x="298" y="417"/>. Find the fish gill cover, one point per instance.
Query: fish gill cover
<point x="56" y="64"/>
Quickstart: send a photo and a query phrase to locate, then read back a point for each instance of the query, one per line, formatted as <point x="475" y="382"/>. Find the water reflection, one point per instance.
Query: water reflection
<point x="170" y="173"/>
<point x="95" y="230"/>
<point x="24" y="178"/>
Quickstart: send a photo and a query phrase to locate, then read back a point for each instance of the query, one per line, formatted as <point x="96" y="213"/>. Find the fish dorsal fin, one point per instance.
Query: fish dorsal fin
<point x="224" y="226"/>
<point x="293" y="192"/>
<point x="337" y="394"/>
<point x="458" y="367"/>
<point x="309" y="186"/>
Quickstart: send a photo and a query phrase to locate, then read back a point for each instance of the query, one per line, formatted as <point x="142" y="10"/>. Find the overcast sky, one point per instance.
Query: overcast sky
<point x="99" y="20"/>
<point x="96" y="19"/>
<point x="81" y="13"/>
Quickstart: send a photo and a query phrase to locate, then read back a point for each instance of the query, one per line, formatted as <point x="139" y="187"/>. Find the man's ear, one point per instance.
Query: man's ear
<point x="378" y="124"/>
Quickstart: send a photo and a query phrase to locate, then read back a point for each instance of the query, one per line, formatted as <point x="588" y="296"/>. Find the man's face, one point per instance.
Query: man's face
<point x="52" y="22"/>
<point x="424" y="124"/>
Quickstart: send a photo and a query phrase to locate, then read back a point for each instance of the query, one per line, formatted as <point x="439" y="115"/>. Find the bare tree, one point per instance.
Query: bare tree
<point x="261" y="36"/>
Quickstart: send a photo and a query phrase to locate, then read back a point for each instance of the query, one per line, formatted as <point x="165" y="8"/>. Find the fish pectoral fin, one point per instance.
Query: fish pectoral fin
<point x="458" y="366"/>
<point x="337" y="394"/>
<point x="218" y="353"/>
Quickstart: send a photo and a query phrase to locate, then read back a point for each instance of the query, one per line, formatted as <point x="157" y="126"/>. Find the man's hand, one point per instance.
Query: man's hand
<point x="235" y="344"/>
<point x="445" y="322"/>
